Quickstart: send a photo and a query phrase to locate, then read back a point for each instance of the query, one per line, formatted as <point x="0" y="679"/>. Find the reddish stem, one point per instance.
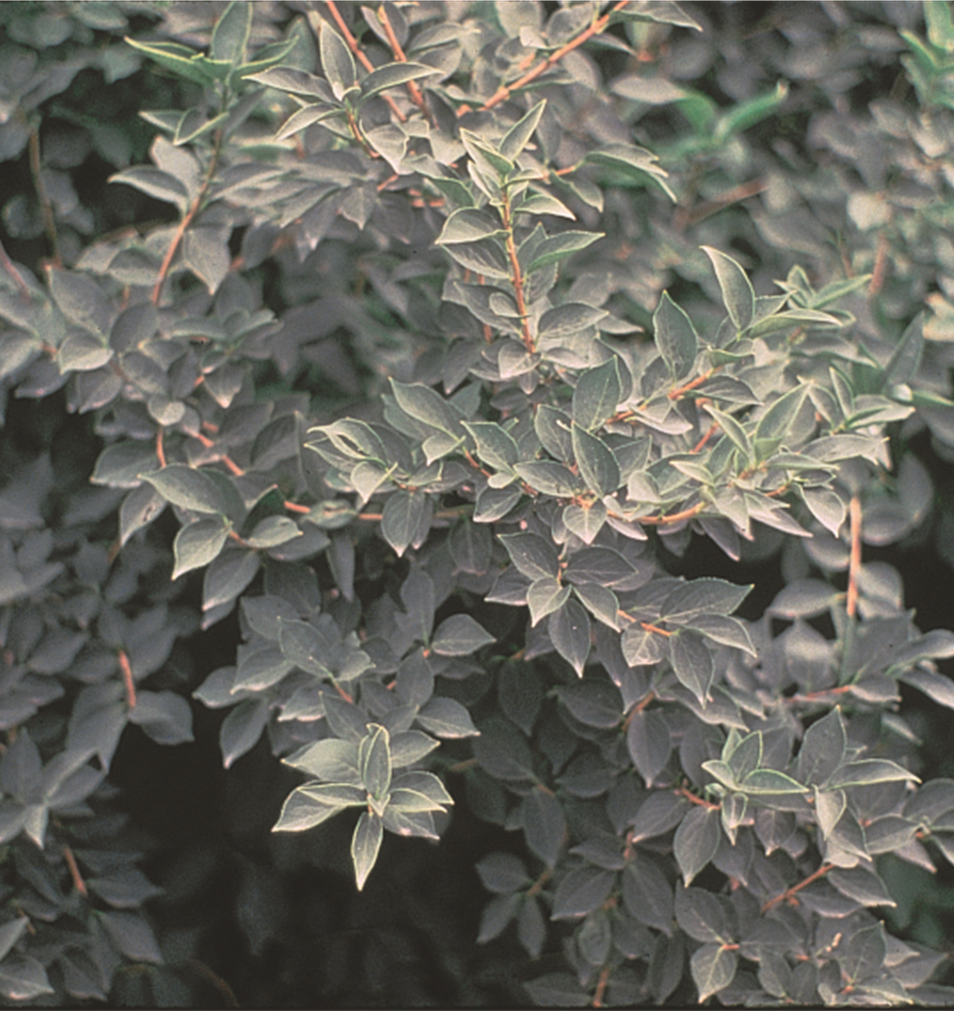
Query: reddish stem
<point x="854" y="560"/>
<point x="713" y="428"/>
<point x="128" y="681"/>
<point x="358" y="53"/>
<point x="600" y="987"/>
<point x="690" y="796"/>
<point x="186" y="221"/>
<point x="516" y="278"/>
<point x="413" y="90"/>
<point x="789" y="892"/>
<point x="503" y="93"/>
<point x="78" y="883"/>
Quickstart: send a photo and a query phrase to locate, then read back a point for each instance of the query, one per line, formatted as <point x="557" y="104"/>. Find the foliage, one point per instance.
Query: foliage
<point x="457" y="336"/>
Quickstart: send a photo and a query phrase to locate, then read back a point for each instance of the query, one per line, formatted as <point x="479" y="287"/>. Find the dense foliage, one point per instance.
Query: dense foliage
<point x="421" y="388"/>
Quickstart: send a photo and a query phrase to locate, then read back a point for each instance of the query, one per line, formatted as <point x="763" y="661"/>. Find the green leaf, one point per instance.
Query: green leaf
<point x="769" y="781"/>
<point x="426" y="406"/>
<point x="940" y="26"/>
<point x="869" y="770"/>
<point x="702" y="596"/>
<point x="365" y="846"/>
<point x="302" y="811"/>
<point x="205" y="251"/>
<point x="597" y="395"/>
<point x="305" y="646"/>
<point x="227" y="576"/>
<point x="904" y="362"/>
<point x="242" y="728"/>
<point x="332" y="759"/>
<point x="336" y="61"/>
<point x="558" y="247"/>
<point x="495" y="447"/>
<point x="749" y="112"/>
<point x="827" y="507"/>
<point x="544" y="825"/>
<point x="392" y="75"/>
<point x="518" y="136"/>
<point x="675" y="337"/>
<point x="737" y="293"/>
<point x="666" y="12"/>
<point x="581" y="891"/>
<point x="402" y="516"/>
<point x="632" y="163"/>
<point x="83" y="352"/>
<point x="468" y="224"/>
<point x="10" y="933"/>
<point x="273" y="531"/>
<point x="649" y="743"/>
<point x="188" y="488"/>
<point x="569" y="319"/>
<point x="713" y="968"/>
<point x="459" y="635"/>
<point x="181" y="60"/>
<point x="375" y="762"/>
<point x="553" y="430"/>
<point x="198" y="544"/>
<point x="155" y="183"/>
<point x="569" y="630"/>
<point x="594" y="702"/>
<point x="231" y="33"/>
<point x="585" y="520"/>
<point x="696" y="840"/>
<point x="303" y="118"/>
<point x="692" y="663"/>
<point x="775" y="423"/>
<point x="549" y="478"/>
<point x="599" y="601"/>
<point x="596" y="461"/>
<point x="544" y="596"/>
<point x="446" y="718"/>
<point x="544" y="203"/>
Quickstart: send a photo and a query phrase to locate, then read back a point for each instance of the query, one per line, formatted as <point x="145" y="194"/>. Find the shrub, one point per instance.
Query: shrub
<point x="431" y="385"/>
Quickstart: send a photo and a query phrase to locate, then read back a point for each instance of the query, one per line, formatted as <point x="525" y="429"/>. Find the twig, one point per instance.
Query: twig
<point x="231" y="1001"/>
<point x="160" y="449"/>
<point x="78" y="883"/>
<point x="854" y="559"/>
<point x="236" y="470"/>
<point x="692" y="384"/>
<point x="686" y="217"/>
<point x="817" y="696"/>
<point x="516" y="277"/>
<point x="503" y="93"/>
<point x="690" y="796"/>
<point x="597" y="1001"/>
<point x="128" y="681"/>
<point x="537" y="886"/>
<point x="713" y="428"/>
<point x="639" y="707"/>
<point x="359" y="53"/>
<point x="417" y="96"/>
<point x="686" y="514"/>
<point x="187" y="220"/>
<point x="880" y="265"/>
<point x="46" y="207"/>
<point x="789" y="892"/>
